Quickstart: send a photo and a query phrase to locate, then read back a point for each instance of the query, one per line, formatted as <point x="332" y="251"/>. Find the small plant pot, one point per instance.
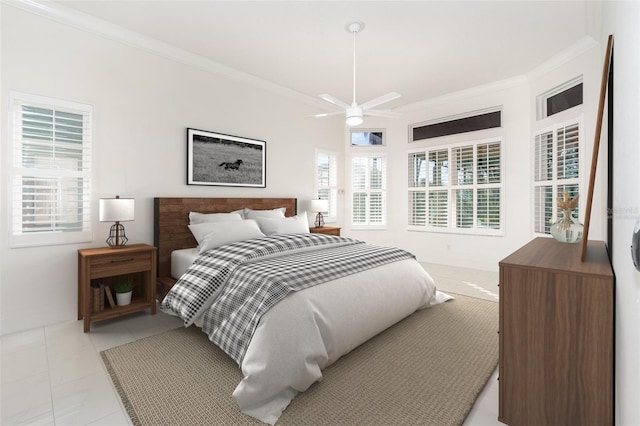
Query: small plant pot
<point x="124" y="298"/>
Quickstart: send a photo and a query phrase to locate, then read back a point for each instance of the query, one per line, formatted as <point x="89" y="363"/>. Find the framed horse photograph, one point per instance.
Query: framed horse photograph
<point x="225" y="160"/>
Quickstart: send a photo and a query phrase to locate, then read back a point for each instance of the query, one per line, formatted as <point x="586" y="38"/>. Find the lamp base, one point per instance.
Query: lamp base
<point x="117" y="237"/>
<point x="319" y="223"/>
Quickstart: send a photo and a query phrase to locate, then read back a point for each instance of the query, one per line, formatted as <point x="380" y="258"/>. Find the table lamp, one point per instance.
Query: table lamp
<point x="116" y="210"/>
<point x="319" y="206"/>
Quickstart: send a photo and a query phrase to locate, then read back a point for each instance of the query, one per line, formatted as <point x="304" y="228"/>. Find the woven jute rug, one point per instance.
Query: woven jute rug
<point x="426" y="370"/>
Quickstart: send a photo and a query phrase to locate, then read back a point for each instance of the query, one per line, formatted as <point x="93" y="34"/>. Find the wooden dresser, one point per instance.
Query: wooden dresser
<point x="556" y="335"/>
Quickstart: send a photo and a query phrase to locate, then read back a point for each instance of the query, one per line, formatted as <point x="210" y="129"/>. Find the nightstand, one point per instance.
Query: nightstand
<point x="106" y="266"/>
<point x="328" y="230"/>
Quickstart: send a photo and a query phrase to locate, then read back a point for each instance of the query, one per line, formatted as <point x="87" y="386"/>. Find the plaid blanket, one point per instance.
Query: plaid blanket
<point x="242" y="281"/>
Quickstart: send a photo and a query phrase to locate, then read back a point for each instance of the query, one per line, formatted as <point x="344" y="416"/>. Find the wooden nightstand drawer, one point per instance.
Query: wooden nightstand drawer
<point x="327" y="230"/>
<point x="119" y="263"/>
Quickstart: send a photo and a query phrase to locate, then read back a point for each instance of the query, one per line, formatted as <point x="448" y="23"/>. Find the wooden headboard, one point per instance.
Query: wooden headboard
<point x="171" y="220"/>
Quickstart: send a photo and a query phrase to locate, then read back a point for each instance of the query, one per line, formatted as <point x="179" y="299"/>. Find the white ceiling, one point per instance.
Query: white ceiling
<point x="421" y="49"/>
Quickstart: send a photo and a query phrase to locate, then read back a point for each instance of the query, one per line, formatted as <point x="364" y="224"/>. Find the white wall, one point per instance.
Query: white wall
<point x="143" y="104"/>
<point x="622" y="20"/>
<point x="517" y="99"/>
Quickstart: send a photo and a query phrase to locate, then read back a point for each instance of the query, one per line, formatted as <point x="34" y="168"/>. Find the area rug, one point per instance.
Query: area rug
<point x="426" y="370"/>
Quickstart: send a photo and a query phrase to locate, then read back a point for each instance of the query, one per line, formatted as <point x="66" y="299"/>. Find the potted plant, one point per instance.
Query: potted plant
<point x="123" y="289"/>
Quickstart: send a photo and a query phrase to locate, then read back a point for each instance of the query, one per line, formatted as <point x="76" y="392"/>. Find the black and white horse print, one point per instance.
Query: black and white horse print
<point x="233" y="166"/>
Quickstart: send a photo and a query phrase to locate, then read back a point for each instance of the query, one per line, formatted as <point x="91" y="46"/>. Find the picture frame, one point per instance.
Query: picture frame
<point x="224" y="160"/>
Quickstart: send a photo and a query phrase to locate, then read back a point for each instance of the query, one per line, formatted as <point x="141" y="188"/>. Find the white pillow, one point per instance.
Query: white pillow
<point x="286" y="225"/>
<point x="230" y="232"/>
<point x="195" y="217"/>
<point x="254" y="214"/>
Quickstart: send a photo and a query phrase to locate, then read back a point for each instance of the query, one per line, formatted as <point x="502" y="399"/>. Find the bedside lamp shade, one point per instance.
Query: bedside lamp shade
<point x="319" y="206"/>
<point x="116" y="210"/>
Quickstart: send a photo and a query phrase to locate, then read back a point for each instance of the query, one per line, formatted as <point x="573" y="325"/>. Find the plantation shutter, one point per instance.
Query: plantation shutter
<point x="417" y="166"/>
<point x="438" y="208"/>
<point x="556" y="169"/>
<point x="327" y="183"/>
<point x="489" y="208"/>
<point x="368" y="183"/>
<point x="51" y="171"/>
<point x="489" y="163"/>
<point x="463" y="189"/>
<point x="464" y="208"/>
<point x="462" y="159"/>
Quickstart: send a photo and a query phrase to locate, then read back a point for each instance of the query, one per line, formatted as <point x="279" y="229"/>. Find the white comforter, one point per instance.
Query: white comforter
<point x="310" y="329"/>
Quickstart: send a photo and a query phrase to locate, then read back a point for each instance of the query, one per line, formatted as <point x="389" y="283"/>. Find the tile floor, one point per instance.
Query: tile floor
<point x="54" y="375"/>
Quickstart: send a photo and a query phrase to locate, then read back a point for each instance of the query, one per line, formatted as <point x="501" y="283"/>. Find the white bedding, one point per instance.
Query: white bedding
<point x="181" y="260"/>
<point x="310" y="329"/>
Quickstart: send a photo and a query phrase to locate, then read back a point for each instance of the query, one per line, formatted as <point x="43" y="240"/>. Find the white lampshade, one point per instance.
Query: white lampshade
<point x="319" y="205"/>
<point x="116" y="209"/>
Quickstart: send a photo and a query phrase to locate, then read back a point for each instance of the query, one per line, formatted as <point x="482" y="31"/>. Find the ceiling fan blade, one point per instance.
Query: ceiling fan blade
<point x="381" y="113"/>
<point x="334" y="101"/>
<point x="326" y="114"/>
<point x="380" y="100"/>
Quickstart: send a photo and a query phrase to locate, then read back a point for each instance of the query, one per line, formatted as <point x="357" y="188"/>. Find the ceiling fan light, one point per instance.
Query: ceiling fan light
<point x="354" y="116"/>
<point x="354" y="120"/>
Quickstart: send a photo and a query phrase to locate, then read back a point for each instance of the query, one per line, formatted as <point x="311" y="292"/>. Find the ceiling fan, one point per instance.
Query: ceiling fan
<point x="355" y="112"/>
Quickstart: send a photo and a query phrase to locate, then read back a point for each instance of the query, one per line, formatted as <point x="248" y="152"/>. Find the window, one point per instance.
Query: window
<point x="367" y="137"/>
<point x="50" y="171"/>
<point x="457" y="188"/>
<point x="561" y="98"/>
<point x="470" y="122"/>
<point x="556" y="169"/>
<point x="327" y="182"/>
<point x="368" y="190"/>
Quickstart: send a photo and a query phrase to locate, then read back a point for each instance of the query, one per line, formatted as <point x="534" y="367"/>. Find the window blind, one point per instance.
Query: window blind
<point x="464" y="208"/>
<point x="556" y="168"/>
<point x="368" y="185"/>
<point x="439" y="167"/>
<point x="464" y="196"/>
<point x="417" y="208"/>
<point x="438" y="208"/>
<point x="462" y="159"/>
<point x="567" y="152"/>
<point x="489" y="208"/>
<point x="543" y="157"/>
<point x="489" y="169"/>
<point x="327" y="182"/>
<point x="417" y="170"/>
<point x="51" y="170"/>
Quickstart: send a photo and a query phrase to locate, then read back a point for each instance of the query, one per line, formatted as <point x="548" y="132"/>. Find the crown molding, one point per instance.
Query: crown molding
<point x="583" y="45"/>
<point x="88" y="23"/>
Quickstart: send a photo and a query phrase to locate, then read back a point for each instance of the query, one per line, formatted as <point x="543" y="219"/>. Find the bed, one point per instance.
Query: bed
<point x="316" y="296"/>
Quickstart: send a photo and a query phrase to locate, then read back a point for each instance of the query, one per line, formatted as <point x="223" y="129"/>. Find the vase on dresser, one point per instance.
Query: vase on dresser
<point x="567" y="229"/>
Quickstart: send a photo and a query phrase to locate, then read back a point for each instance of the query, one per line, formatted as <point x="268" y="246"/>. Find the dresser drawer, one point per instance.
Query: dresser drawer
<point x="119" y="264"/>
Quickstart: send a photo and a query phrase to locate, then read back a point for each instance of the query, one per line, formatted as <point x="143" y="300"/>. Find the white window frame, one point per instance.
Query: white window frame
<point x="541" y="99"/>
<point x="368" y="223"/>
<point x="449" y="189"/>
<point x="353" y="131"/>
<point x="542" y="217"/>
<point x="328" y="191"/>
<point x="54" y="172"/>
